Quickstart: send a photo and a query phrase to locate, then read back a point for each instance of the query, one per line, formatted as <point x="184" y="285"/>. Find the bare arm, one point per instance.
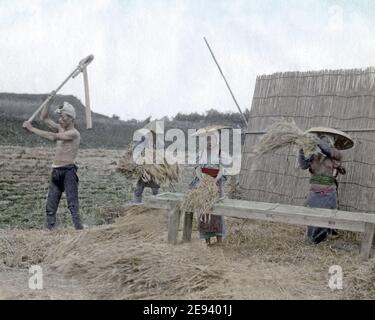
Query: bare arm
<point x="44" y="134"/>
<point x="62" y="136"/>
<point x="329" y="151"/>
<point x="44" y="115"/>
<point x="51" y="124"/>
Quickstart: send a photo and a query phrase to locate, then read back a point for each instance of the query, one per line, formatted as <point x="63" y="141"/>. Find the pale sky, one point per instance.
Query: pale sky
<point x="150" y="57"/>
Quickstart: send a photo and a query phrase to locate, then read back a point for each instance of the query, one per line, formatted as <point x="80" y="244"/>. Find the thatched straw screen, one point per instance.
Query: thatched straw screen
<point x="343" y="100"/>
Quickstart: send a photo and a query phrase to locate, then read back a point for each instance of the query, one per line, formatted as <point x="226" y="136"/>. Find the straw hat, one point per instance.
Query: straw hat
<point x="209" y="129"/>
<point x="342" y="140"/>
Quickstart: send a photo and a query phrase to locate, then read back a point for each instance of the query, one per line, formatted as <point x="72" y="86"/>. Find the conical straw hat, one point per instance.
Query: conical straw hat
<point x="342" y="140"/>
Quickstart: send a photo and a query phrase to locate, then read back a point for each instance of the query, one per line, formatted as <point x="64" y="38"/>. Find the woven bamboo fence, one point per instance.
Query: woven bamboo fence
<point x="342" y="99"/>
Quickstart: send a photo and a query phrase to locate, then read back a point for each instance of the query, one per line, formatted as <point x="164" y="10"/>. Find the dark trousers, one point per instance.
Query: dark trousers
<point x="140" y="187"/>
<point x="63" y="179"/>
<point x="319" y="200"/>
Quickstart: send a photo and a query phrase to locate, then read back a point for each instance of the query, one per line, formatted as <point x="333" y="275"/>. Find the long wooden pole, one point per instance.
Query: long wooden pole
<point x="226" y="82"/>
<point x="51" y="96"/>
<point x="82" y="65"/>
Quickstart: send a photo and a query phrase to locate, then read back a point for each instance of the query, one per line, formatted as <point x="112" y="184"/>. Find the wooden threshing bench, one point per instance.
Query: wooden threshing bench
<point x="272" y="212"/>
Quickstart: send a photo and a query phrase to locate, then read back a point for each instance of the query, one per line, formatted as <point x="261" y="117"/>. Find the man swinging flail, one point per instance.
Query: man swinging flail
<point x="64" y="170"/>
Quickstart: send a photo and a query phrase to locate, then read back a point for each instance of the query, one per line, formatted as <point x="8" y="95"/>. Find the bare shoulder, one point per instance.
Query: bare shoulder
<point x="52" y="124"/>
<point x="74" y="133"/>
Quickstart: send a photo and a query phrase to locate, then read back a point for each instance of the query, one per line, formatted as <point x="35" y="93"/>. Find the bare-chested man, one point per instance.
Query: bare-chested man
<point x="64" y="170"/>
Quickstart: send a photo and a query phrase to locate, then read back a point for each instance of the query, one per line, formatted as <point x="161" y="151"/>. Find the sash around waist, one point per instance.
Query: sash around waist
<point x="211" y="172"/>
<point x="324" y="180"/>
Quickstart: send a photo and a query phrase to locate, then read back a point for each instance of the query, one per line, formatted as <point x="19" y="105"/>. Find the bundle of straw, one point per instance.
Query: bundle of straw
<point x="127" y="166"/>
<point x="285" y="133"/>
<point x="162" y="174"/>
<point x="201" y="199"/>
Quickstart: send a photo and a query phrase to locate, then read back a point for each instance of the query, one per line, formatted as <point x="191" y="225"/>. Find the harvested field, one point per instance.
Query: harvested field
<point x="130" y="259"/>
<point x="24" y="179"/>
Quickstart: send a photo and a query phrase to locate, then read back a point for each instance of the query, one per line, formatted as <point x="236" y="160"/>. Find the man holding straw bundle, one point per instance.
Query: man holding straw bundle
<point x="319" y="151"/>
<point x="138" y="163"/>
<point x="141" y="184"/>
<point x="324" y="166"/>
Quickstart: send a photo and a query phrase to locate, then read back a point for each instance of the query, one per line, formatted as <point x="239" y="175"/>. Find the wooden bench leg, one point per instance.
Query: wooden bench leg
<point x="188" y="226"/>
<point x="367" y="239"/>
<point x="173" y="224"/>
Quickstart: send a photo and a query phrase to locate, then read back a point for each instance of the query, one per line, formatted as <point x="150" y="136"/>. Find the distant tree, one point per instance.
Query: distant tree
<point x="194" y="116"/>
<point x="165" y="119"/>
<point x="214" y="115"/>
<point x="115" y="117"/>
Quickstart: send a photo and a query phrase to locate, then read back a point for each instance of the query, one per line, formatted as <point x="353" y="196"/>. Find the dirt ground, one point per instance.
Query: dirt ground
<point x="129" y="257"/>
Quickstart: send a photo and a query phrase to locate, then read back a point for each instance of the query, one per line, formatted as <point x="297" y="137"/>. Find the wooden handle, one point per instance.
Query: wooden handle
<point x="87" y="99"/>
<point x="81" y="67"/>
<point x="39" y="109"/>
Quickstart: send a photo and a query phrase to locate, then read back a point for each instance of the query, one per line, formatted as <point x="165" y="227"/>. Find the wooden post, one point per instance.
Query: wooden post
<point x="367" y="239"/>
<point x="188" y="226"/>
<point x="87" y="99"/>
<point x="173" y="224"/>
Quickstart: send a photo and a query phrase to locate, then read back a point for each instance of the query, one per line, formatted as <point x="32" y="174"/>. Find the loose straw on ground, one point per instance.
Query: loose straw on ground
<point x="130" y="259"/>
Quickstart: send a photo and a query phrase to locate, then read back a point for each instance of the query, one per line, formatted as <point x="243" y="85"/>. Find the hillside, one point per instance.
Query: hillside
<point x="16" y="108"/>
<point x="107" y="132"/>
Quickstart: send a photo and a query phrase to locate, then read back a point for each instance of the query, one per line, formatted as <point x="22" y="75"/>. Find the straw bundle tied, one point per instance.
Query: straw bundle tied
<point x="201" y="199"/>
<point x="286" y="133"/>
<point x="162" y="174"/>
<point x="127" y="166"/>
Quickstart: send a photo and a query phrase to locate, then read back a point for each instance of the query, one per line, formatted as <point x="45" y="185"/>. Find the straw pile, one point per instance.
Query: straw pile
<point x="20" y="249"/>
<point x="129" y="259"/>
<point x="362" y="281"/>
<point x="286" y="133"/>
<point x="201" y="199"/>
<point x="162" y="174"/>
